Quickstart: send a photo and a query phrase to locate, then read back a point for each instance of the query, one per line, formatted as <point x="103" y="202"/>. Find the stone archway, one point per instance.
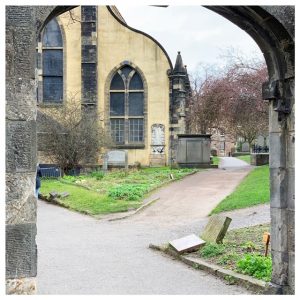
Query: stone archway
<point x="272" y="27"/>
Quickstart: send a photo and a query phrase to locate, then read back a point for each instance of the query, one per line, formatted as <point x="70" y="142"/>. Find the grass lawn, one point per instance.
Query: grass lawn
<point x="253" y="190"/>
<point x="116" y="191"/>
<point x="237" y="244"/>
<point x="245" y="158"/>
<point x="86" y="201"/>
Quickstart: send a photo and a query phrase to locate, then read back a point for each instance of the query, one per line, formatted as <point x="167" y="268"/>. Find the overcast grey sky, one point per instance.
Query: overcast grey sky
<point x="197" y="32"/>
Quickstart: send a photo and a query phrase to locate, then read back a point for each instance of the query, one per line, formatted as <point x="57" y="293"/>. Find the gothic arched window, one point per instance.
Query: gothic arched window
<point x="127" y="107"/>
<point x="50" y="51"/>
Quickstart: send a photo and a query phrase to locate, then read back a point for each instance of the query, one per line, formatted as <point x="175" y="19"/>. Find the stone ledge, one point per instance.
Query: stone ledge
<point x="255" y="285"/>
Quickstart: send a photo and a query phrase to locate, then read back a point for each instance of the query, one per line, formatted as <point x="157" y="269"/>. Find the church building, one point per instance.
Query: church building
<point x="120" y="72"/>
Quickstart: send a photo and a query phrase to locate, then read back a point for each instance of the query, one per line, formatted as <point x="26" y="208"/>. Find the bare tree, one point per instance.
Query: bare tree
<point x="71" y="134"/>
<point x="204" y="107"/>
<point x="203" y="103"/>
<point x="247" y="112"/>
<point x="230" y="101"/>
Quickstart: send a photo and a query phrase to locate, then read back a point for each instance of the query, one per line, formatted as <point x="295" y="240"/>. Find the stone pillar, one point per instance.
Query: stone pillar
<point x="290" y="167"/>
<point x="21" y="250"/>
<point x="282" y="181"/>
<point x="288" y="91"/>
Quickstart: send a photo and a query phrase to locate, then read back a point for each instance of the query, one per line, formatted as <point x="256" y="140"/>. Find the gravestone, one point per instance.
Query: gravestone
<point x="216" y="229"/>
<point x="245" y="147"/>
<point x="117" y="158"/>
<point x="188" y="243"/>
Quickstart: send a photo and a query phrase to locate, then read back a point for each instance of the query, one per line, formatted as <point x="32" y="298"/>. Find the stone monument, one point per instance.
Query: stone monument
<point x="193" y="150"/>
<point x="216" y="229"/>
<point x="157" y="156"/>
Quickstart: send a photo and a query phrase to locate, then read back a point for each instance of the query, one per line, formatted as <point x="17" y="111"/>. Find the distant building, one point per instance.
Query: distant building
<point x="222" y="144"/>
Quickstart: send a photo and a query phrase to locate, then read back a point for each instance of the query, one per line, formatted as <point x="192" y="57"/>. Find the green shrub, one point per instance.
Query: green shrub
<point x="212" y="249"/>
<point x="256" y="265"/>
<point x="130" y="192"/>
<point x="98" y="175"/>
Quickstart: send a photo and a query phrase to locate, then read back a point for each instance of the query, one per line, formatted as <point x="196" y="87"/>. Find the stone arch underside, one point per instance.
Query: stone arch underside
<point x="273" y="30"/>
<point x="272" y="27"/>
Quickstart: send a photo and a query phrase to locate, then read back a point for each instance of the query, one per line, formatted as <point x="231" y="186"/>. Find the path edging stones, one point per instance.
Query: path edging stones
<point x="135" y="211"/>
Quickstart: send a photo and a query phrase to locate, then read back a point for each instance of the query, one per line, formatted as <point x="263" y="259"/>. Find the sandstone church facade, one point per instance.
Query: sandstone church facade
<point x="119" y="71"/>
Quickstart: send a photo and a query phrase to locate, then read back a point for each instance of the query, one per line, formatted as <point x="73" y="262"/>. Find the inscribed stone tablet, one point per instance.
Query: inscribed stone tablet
<point x="116" y="157"/>
<point x="216" y="229"/>
<point x="187" y="244"/>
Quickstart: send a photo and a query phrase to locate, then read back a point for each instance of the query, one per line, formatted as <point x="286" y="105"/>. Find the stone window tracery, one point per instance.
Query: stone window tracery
<point x="50" y="64"/>
<point x="127" y="107"/>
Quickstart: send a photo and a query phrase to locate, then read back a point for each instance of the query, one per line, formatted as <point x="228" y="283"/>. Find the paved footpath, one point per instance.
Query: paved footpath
<point x="78" y="254"/>
<point x="231" y="162"/>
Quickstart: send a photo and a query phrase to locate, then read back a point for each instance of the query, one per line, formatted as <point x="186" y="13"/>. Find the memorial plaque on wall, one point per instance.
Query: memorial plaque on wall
<point x="158" y="139"/>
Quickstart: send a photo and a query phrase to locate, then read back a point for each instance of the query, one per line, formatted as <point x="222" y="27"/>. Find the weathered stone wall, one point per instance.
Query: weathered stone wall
<point x="21" y="251"/>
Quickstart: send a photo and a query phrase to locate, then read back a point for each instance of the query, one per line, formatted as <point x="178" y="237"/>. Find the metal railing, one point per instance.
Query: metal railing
<point x="260" y="149"/>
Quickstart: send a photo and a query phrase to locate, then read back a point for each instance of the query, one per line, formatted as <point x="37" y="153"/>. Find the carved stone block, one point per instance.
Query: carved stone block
<point x="21" y="250"/>
<point x="21" y="146"/>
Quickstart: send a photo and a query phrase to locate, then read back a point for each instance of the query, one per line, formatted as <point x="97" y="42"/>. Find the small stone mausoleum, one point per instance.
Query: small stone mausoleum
<point x="193" y="150"/>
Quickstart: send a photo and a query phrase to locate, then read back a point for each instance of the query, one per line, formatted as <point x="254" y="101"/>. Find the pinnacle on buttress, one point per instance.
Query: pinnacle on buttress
<point x="179" y="67"/>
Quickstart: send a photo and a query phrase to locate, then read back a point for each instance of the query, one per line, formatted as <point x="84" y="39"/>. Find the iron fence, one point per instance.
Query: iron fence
<point x="260" y="149"/>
